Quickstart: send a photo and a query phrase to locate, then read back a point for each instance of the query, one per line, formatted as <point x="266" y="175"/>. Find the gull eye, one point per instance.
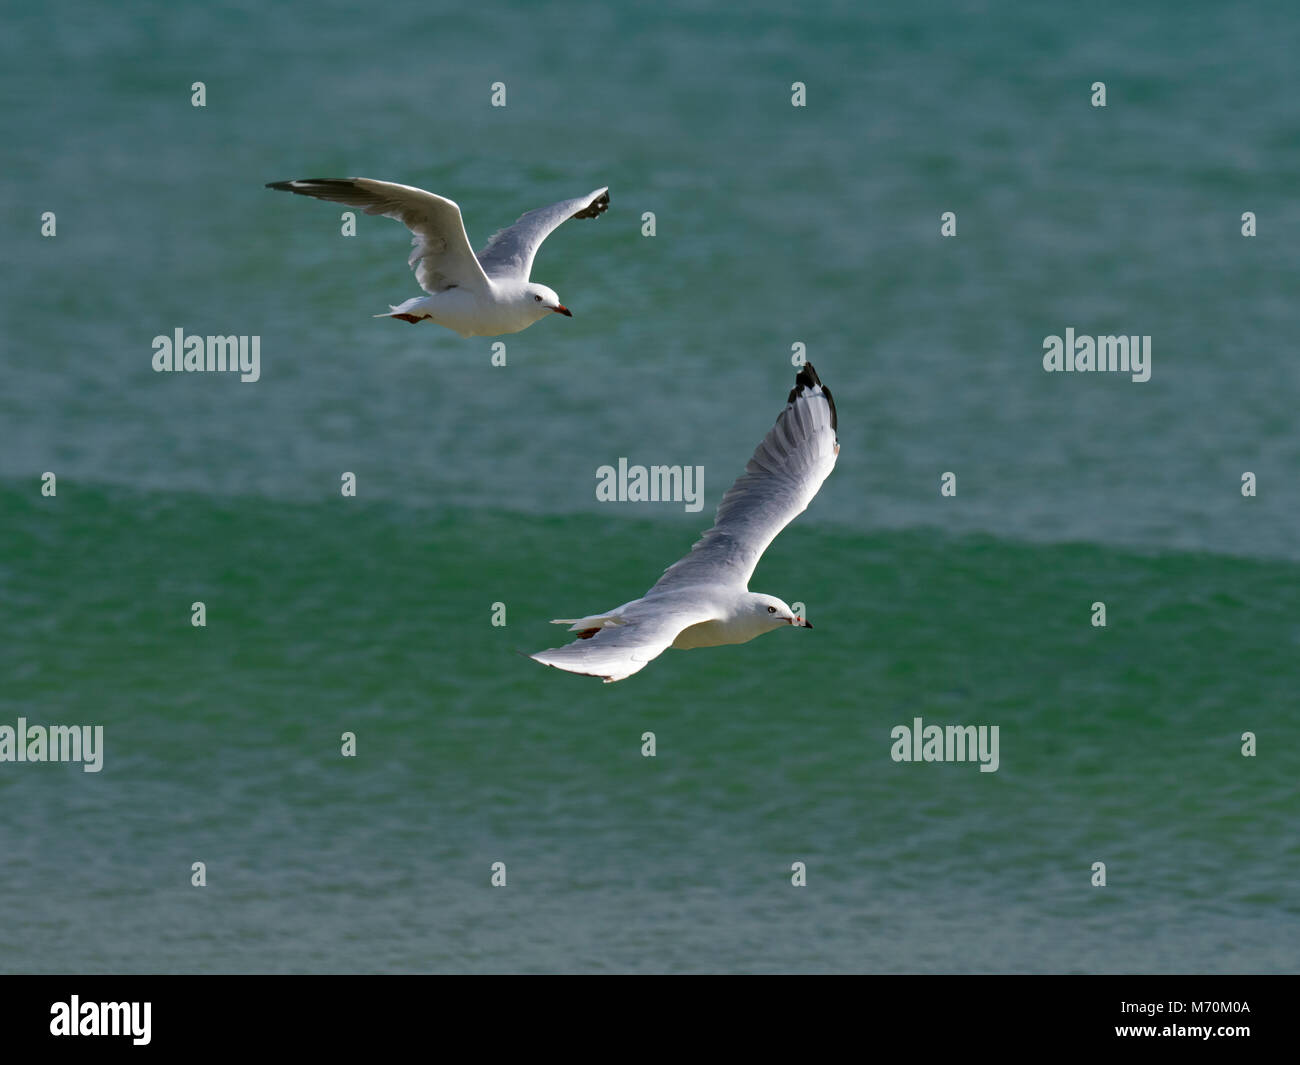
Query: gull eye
<point x="771" y="610"/>
<point x="538" y="298"/>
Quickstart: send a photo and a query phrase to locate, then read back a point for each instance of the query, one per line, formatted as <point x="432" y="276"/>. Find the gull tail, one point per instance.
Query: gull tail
<point x="412" y="311"/>
<point x="587" y="627"/>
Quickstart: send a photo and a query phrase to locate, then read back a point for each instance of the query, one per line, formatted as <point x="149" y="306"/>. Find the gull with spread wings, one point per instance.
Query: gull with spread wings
<point x="703" y="600"/>
<point x="484" y="295"/>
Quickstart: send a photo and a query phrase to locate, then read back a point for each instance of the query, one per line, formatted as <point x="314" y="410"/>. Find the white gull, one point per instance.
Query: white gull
<point x="703" y="600"/>
<point x="485" y="295"/>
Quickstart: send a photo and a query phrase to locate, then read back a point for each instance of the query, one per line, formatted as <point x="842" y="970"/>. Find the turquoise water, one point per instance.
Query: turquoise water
<point x="775" y="225"/>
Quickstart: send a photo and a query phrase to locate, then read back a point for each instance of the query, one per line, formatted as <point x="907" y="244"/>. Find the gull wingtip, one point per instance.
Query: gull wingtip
<point x="807" y="379"/>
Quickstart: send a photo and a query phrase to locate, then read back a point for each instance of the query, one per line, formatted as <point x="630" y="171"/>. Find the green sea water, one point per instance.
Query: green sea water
<point x="774" y="226"/>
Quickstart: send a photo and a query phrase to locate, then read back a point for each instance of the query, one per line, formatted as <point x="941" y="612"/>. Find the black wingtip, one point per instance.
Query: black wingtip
<point x="301" y="185"/>
<point x="807" y="378"/>
<point x="597" y="207"/>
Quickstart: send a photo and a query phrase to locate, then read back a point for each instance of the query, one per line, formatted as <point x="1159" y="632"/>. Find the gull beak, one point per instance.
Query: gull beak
<point x="560" y="308"/>
<point x="801" y="623"/>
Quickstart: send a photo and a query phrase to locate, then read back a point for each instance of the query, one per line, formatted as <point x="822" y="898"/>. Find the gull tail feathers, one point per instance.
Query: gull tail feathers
<point x="587" y="627"/>
<point x="411" y="311"/>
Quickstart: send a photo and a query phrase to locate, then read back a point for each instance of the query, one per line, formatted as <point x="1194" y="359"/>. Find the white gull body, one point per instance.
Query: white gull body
<point x="488" y="294"/>
<point x="703" y="600"/>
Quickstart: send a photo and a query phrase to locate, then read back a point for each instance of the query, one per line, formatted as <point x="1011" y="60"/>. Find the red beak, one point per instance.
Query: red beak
<point x="562" y="309"/>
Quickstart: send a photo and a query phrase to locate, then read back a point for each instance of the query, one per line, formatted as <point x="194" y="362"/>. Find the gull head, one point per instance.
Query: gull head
<point x="774" y="613"/>
<point x="545" y="301"/>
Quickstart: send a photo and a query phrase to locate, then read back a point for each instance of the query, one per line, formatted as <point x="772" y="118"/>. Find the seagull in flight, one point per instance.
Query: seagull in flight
<point x="484" y="295"/>
<point x="703" y="600"/>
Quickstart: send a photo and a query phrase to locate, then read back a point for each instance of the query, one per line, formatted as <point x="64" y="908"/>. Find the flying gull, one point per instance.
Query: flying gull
<point x="703" y="600"/>
<point x="485" y="295"/>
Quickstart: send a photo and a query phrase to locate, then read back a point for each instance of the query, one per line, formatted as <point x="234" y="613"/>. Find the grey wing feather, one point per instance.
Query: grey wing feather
<point x="511" y="251"/>
<point x="779" y="482"/>
<point x="441" y="255"/>
<point x="621" y="650"/>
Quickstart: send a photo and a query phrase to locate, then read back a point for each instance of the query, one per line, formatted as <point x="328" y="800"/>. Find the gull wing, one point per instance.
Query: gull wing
<point x="618" y="651"/>
<point x="510" y="252"/>
<point x="442" y="256"/>
<point x="779" y="482"/>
